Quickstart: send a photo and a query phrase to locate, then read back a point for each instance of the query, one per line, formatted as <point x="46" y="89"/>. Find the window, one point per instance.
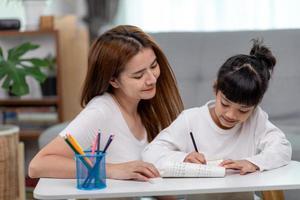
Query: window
<point x="209" y="15"/>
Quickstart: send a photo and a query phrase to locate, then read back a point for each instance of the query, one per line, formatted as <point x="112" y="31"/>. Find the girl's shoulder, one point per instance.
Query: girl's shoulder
<point x="259" y="114"/>
<point x="258" y="120"/>
<point x="192" y="111"/>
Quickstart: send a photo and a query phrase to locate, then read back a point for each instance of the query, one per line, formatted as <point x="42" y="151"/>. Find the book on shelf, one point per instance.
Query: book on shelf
<point x="30" y="118"/>
<point x="184" y="169"/>
<point x="37" y="117"/>
<point x="33" y="127"/>
<point x="8" y="117"/>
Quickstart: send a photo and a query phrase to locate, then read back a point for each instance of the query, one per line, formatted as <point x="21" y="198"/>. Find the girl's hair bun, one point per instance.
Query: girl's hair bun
<point x="263" y="54"/>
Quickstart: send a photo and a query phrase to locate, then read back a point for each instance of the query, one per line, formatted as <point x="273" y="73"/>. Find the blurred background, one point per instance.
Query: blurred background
<point x="162" y="15"/>
<point x="196" y="35"/>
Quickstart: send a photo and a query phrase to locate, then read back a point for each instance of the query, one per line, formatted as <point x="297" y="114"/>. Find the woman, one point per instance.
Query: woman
<point x="129" y="91"/>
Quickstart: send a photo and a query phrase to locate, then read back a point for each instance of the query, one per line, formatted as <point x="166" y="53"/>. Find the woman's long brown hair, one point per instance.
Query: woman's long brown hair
<point x="108" y="57"/>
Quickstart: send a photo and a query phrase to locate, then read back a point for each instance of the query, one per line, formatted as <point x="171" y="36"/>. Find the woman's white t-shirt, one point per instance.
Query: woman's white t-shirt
<point x="102" y="113"/>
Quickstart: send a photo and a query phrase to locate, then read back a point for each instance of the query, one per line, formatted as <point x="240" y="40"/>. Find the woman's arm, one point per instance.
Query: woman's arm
<point x="136" y="170"/>
<point x="55" y="160"/>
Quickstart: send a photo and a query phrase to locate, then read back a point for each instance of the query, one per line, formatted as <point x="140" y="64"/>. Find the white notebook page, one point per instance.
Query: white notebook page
<point x="183" y="169"/>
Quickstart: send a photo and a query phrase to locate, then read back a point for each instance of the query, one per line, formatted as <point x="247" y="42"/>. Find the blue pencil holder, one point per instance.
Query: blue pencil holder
<point x="90" y="171"/>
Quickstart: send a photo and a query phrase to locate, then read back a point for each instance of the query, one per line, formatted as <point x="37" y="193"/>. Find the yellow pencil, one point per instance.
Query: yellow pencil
<point x="78" y="148"/>
<point x="75" y="144"/>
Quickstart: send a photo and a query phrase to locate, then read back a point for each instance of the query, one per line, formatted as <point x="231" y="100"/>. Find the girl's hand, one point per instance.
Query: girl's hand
<point x="243" y="165"/>
<point x="136" y="170"/>
<point x="195" y="157"/>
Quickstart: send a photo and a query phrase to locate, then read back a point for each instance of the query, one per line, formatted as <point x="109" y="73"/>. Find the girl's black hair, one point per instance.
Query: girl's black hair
<point x="244" y="79"/>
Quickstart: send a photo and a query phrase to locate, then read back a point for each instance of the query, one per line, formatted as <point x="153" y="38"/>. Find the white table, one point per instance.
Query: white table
<point x="284" y="178"/>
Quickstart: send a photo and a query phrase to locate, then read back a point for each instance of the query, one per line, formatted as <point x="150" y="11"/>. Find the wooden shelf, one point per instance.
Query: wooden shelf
<point x="28" y="33"/>
<point x="15" y="102"/>
<point x="47" y="39"/>
<point x="29" y="134"/>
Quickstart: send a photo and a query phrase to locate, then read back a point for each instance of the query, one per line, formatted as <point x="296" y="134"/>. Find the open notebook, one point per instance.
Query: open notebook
<point x="184" y="169"/>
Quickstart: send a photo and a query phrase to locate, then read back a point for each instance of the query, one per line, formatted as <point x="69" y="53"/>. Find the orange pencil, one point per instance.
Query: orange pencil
<point x="78" y="148"/>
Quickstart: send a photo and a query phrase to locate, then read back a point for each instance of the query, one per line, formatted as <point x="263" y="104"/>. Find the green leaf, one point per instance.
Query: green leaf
<point x="15" y="79"/>
<point x="1" y="57"/>
<point x="14" y="69"/>
<point x="17" y="89"/>
<point x="6" y="83"/>
<point x="2" y="70"/>
<point x="1" y="54"/>
<point x="36" y="73"/>
<point x="37" y="62"/>
<point x="20" y="89"/>
<point x="15" y="53"/>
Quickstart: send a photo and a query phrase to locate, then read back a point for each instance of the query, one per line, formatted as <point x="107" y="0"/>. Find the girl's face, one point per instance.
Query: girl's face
<point x="138" y="80"/>
<point x="226" y="114"/>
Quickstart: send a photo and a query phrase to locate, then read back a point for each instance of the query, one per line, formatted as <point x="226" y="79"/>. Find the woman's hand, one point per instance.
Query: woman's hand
<point x="243" y="165"/>
<point x="195" y="157"/>
<point x="136" y="170"/>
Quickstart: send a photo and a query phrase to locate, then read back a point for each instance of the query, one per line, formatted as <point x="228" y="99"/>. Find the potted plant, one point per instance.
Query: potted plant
<point x="14" y="68"/>
<point x="49" y="85"/>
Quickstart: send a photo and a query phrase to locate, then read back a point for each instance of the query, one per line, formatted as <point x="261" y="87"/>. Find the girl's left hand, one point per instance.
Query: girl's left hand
<point x="243" y="165"/>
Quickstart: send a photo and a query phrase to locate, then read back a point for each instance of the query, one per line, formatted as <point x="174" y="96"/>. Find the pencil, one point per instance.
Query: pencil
<point x="194" y="143"/>
<point x="78" y="148"/>
<point x="84" y="161"/>
<point x="98" y="142"/>
<point x="94" y="145"/>
<point x="75" y="144"/>
<point x="111" y="137"/>
<point x="88" y="180"/>
<point x="70" y="145"/>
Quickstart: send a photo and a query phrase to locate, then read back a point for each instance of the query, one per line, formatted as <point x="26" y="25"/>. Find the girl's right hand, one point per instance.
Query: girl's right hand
<point x="195" y="157"/>
<point x="136" y="170"/>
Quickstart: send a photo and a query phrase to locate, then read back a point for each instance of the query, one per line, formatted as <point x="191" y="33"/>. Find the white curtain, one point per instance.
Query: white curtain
<point x="209" y="15"/>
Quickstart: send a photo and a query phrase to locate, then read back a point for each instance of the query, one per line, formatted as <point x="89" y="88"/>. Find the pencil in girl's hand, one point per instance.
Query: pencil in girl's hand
<point x="194" y="143"/>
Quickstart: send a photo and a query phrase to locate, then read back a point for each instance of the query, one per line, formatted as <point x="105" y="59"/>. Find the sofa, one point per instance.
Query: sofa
<point x="196" y="57"/>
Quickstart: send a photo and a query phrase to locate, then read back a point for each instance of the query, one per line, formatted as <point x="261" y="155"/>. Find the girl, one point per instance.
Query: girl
<point x="129" y="91"/>
<point x="233" y="127"/>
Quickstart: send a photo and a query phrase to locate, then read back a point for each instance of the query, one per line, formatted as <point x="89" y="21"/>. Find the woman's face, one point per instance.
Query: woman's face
<point x="227" y="114"/>
<point x="138" y="80"/>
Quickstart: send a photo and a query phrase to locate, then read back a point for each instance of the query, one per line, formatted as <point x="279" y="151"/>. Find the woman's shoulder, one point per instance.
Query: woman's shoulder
<point x="102" y="103"/>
